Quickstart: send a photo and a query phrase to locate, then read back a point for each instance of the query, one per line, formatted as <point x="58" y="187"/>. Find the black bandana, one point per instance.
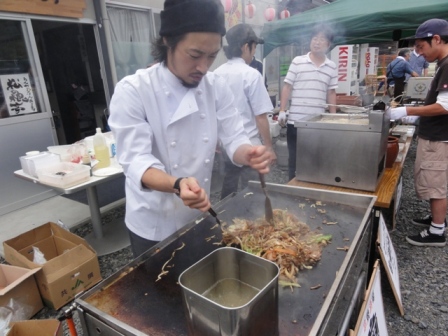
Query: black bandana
<point x="186" y="16"/>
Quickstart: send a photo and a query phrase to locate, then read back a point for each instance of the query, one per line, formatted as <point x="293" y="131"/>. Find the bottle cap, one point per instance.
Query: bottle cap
<point x="32" y="153"/>
<point x="98" y="130"/>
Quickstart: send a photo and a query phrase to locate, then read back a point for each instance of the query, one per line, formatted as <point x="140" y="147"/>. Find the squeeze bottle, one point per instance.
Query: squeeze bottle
<point x="101" y="150"/>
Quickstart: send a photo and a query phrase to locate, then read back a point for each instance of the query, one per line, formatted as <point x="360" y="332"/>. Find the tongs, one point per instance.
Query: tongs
<point x="214" y="214"/>
<point x="268" y="213"/>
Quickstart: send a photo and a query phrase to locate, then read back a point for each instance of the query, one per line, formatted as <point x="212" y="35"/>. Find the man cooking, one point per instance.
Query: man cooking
<point x="167" y="120"/>
<point x="431" y="162"/>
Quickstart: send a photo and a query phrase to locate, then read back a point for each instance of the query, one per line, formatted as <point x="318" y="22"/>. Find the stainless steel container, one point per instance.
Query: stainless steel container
<point x="344" y="150"/>
<point x="231" y="292"/>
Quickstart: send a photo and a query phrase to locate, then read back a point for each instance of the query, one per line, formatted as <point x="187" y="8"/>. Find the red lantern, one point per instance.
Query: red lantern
<point x="269" y="13"/>
<point x="249" y="10"/>
<point x="227" y="5"/>
<point x="284" y="14"/>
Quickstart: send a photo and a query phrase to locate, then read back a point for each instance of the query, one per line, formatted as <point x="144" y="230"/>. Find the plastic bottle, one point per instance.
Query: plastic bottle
<point x="101" y="150"/>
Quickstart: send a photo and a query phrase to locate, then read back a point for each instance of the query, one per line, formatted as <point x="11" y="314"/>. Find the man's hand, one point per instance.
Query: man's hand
<point x="259" y="158"/>
<point x="193" y="195"/>
<point x="398" y="112"/>
<point x="282" y="118"/>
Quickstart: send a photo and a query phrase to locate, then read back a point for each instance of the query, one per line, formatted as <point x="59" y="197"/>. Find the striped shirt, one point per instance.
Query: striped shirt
<point x="310" y="85"/>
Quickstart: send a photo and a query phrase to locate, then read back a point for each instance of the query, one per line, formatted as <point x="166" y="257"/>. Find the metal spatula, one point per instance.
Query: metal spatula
<point x="268" y="213"/>
<point x="214" y="214"/>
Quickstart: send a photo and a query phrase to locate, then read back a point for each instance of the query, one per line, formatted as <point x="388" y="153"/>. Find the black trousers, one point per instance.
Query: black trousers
<point x="139" y="244"/>
<point x="291" y="140"/>
<point x="398" y="88"/>
<point x="232" y="177"/>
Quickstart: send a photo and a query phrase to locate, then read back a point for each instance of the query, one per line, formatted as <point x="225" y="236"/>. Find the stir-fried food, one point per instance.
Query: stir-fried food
<point x="288" y="242"/>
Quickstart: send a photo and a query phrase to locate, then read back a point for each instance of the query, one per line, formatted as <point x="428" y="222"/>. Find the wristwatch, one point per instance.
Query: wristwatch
<point x="176" y="186"/>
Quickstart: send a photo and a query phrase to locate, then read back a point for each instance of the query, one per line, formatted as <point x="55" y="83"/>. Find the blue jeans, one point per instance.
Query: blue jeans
<point x="291" y="140"/>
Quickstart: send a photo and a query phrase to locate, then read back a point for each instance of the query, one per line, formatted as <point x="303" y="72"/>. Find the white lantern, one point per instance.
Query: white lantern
<point x="284" y="14"/>
<point x="249" y="11"/>
<point x="269" y="13"/>
<point x="227" y="5"/>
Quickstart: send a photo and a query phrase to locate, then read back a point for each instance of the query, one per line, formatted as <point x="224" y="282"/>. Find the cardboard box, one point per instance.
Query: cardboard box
<point x="18" y="290"/>
<point x="36" y="328"/>
<point x="72" y="265"/>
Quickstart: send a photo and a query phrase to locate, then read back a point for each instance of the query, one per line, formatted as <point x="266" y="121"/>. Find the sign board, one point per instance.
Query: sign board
<point x="371" y="320"/>
<point x="368" y="62"/>
<point x="64" y="8"/>
<point x="389" y="258"/>
<point x="18" y="93"/>
<point x="346" y="59"/>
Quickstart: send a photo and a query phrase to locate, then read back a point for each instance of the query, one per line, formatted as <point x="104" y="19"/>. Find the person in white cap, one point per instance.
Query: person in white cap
<point x="431" y="163"/>
<point x="167" y="120"/>
<point x="251" y="99"/>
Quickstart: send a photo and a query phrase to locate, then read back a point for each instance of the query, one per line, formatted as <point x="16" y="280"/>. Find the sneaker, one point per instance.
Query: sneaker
<point x="425" y="221"/>
<point x="426" y="238"/>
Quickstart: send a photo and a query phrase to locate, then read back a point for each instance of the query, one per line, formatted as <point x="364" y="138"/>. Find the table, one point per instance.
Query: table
<point x="114" y="236"/>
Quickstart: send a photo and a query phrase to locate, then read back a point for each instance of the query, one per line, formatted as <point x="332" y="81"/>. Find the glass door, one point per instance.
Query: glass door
<point x="26" y="122"/>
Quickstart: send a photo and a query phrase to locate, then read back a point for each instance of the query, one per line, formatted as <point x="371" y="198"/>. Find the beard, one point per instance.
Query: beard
<point x="190" y="85"/>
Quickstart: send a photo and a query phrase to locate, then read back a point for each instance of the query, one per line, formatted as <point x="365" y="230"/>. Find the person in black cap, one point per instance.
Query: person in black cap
<point x="251" y="99"/>
<point x="167" y="120"/>
<point x="431" y="162"/>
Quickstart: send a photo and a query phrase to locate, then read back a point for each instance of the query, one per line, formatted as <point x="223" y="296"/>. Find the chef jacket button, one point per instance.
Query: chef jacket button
<point x="202" y="116"/>
<point x="176" y="166"/>
<point x="173" y="144"/>
<point x="207" y="161"/>
<point x="205" y="139"/>
<point x="206" y="180"/>
<point x="199" y="92"/>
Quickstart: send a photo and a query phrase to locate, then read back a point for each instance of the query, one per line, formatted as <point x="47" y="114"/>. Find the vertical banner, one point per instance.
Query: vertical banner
<point x="389" y="258"/>
<point x="371" y="320"/>
<point x="18" y="93"/>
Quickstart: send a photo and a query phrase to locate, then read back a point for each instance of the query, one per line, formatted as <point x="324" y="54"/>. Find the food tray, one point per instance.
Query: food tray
<point x="30" y="164"/>
<point x="64" y="174"/>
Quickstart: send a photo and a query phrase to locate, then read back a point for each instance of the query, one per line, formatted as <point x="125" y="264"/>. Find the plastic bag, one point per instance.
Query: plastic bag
<point x="5" y="318"/>
<point x="77" y="151"/>
<point x="39" y="257"/>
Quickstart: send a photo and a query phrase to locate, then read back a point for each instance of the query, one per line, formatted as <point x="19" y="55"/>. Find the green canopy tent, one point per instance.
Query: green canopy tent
<point x="355" y="21"/>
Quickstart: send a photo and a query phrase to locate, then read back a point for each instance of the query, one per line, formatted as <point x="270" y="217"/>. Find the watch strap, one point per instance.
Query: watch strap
<point x="176" y="185"/>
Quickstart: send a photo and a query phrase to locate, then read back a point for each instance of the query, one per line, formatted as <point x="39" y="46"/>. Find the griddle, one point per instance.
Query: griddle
<point x="132" y="302"/>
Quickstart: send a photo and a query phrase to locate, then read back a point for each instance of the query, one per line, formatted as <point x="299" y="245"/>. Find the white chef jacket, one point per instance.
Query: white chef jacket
<point x="159" y="123"/>
<point x="251" y="97"/>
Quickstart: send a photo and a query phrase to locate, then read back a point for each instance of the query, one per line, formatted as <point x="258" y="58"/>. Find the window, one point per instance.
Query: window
<point x="132" y="31"/>
<point x="20" y="93"/>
